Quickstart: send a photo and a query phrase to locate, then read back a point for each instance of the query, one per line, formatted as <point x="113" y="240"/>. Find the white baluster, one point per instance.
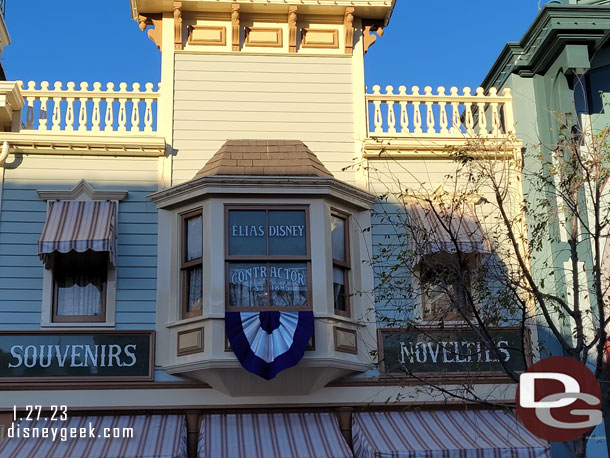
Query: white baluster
<point x="109" y="117"/>
<point x="468" y="112"/>
<point x="389" y="90"/>
<point x="148" y="115"/>
<point x="42" y="117"/>
<point x="122" y="113"/>
<point x="404" y="116"/>
<point x="82" y="112"/>
<point x="56" y="106"/>
<point x="429" y="113"/>
<point x="481" y="112"/>
<point x="29" y="111"/>
<point x="416" y="112"/>
<point x="95" y="112"/>
<point x="443" y="110"/>
<point x="495" y="116"/>
<point x="135" y="109"/>
<point x="377" y="118"/>
<point x="70" y="108"/>
<point x="456" y="123"/>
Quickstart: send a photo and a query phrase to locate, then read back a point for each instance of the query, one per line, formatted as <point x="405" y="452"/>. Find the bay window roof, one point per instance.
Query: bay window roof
<point x="263" y="167"/>
<point x="264" y="157"/>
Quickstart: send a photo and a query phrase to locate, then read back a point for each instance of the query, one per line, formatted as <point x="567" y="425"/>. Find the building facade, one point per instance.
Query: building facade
<point x="201" y="260"/>
<point x="557" y="75"/>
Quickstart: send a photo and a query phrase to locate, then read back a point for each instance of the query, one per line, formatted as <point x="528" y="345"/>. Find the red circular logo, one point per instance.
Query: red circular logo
<point x="559" y="399"/>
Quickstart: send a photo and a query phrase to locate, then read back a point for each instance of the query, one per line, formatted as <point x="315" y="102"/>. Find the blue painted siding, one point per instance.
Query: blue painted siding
<point x="21" y="271"/>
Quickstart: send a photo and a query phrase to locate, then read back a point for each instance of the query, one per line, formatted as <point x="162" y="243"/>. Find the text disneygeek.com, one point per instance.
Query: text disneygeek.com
<point x="63" y="433"/>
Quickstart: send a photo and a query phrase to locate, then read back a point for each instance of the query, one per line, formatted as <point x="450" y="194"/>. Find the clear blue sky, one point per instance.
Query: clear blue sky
<point x="445" y="42"/>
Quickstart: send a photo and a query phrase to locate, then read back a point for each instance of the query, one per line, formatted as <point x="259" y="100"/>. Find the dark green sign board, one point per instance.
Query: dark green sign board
<point x="429" y="351"/>
<point x="76" y="355"/>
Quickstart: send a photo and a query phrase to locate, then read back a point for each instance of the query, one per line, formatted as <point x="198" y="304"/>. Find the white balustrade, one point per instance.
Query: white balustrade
<point x="89" y="111"/>
<point x="446" y="115"/>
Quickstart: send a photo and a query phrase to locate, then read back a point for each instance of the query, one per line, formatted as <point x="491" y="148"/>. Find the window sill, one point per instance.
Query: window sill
<point x="195" y="319"/>
<point x="339" y="318"/>
<point x="83" y="324"/>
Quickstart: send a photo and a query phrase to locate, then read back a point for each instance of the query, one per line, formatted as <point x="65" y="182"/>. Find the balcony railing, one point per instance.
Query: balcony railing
<point x="391" y="115"/>
<point x="439" y="115"/>
<point x="82" y="110"/>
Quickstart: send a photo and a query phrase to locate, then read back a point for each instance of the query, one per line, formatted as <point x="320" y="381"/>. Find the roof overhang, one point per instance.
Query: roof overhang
<point x="286" y="186"/>
<point x="369" y="9"/>
<point x="554" y="27"/>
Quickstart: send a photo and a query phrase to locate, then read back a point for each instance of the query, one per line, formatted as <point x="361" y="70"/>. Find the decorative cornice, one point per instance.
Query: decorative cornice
<point x="235" y="26"/>
<point x="5" y="39"/>
<point x="209" y="186"/>
<point x="292" y="28"/>
<point x="348" y="24"/>
<point x="554" y="27"/>
<point x="371" y="9"/>
<point x="32" y="142"/>
<point x="417" y="148"/>
<point x="156" y="21"/>
<point x="177" y="25"/>
<point x="82" y="188"/>
<point x="368" y="35"/>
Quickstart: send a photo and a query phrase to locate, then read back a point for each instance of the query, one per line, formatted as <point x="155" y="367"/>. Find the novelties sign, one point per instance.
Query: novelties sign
<point x="67" y="355"/>
<point x="450" y="350"/>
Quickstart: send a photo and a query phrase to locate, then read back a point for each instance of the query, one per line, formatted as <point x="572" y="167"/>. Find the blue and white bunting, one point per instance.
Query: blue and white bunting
<point x="266" y="343"/>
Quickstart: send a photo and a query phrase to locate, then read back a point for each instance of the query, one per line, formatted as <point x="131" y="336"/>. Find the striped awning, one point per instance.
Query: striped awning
<point x="444" y="434"/>
<point x="79" y="226"/>
<point x="153" y="436"/>
<point x="446" y="228"/>
<point x="291" y="435"/>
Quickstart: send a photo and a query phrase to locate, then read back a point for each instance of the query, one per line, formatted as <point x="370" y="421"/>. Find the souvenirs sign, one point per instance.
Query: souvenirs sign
<point x="69" y="355"/>
<point x="449" y="350"/>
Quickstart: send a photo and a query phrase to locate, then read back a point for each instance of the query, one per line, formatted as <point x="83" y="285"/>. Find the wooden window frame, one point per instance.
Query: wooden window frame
<point x="343" y="265"/>
<point x="268" y="259"/>
<point x="186" y="266"/>
<point x="57" y="318"/>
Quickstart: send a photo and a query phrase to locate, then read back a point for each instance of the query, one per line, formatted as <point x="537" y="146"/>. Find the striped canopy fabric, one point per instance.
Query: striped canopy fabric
<point x="446" y="228"/>
<point x="292" y="435"/>
<point x="79" y="226"/>
<point x="154" y="436"/>
<point x="444" y="434"/>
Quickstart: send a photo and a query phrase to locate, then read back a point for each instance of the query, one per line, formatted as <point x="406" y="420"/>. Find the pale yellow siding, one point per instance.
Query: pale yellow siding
<point x="220" y="97"/>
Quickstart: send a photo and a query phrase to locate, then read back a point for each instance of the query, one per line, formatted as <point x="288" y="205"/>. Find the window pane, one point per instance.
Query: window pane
<point x="79" y="295"/>
<point x="80" y="280"/>
<point x="339" y="288"/>
<point x="288" y="284"/>
<point x="287" y="233"/>
<point x="338" y="238"/>
<point x="194" y="237"/>
<point x="194" y="288"/>
<point x="598" y="81"/>
<point x="248" y="284"/>
<point x="247" y="234"/>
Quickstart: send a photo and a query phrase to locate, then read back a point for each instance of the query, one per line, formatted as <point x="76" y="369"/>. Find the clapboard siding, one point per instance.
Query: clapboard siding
<point x="22" y="220"/>
<point x="222" y="97"/>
